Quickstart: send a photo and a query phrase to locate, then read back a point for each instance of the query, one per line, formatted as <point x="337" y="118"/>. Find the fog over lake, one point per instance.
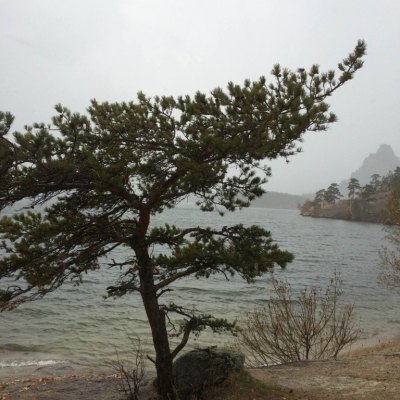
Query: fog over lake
<point x="71" y="51"/>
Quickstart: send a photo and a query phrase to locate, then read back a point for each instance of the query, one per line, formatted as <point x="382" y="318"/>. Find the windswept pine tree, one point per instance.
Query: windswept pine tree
<point x="353" y="187"/>
<point x="332" y="193"/>
<point x="105" y="175"/>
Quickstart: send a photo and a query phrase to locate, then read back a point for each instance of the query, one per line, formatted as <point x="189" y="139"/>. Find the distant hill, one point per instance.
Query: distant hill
<point x="381" y="162"/>
<point x="278" y="200"/>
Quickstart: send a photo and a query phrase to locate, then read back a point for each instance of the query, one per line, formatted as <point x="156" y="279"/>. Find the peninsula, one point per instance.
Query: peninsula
<point x="364" y="203"/>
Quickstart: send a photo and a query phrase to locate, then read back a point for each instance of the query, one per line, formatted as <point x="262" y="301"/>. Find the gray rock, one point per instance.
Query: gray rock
<point x="203" y="367"/>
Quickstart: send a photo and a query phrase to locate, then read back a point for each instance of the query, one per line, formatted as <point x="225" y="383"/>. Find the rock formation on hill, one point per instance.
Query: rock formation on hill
<point x="367" y="201"/>
<point x="381" y="162"/>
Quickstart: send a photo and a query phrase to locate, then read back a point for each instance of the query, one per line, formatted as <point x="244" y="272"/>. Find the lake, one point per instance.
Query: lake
<point x="77" y="324"/>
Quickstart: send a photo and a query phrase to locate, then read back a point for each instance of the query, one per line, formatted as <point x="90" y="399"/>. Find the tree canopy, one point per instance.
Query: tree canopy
<point x="319" y="198"/>
<point x="332" y="193"/>
<point x="103" y="176"/>
<point x="390" y="255"/>
<point x="353" y="187"/>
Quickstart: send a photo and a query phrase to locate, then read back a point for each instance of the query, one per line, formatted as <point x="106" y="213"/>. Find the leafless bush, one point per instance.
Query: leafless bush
<point x="129" y="379"/>
<point x="310" y="325"/>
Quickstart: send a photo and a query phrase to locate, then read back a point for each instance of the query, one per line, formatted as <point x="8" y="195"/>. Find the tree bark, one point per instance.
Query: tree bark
<point x="156" y="317"/>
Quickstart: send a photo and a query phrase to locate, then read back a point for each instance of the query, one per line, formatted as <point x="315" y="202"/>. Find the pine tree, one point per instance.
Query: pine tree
<point x="104" y="176"/>
<point x="390" y="256"/>
<point x="319" y="198"/>
<point x="332" y="193"/>
<point x="353" y="187"/>
<point x="366" y="194"/>
<point x="376" y="182"/>
<point x="395" y="178"/>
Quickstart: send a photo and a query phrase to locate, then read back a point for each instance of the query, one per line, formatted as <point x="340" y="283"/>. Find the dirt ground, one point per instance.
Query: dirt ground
<point x="369" y="377"/>
<point x="367" y="374"/>
<point x="65" y="382"/>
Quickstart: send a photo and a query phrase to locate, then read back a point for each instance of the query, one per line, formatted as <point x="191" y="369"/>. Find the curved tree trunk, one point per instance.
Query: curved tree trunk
<point x="156" y="317"/>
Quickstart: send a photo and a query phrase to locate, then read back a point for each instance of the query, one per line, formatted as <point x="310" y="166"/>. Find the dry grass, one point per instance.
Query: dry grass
<point x="242" y="386"/>
<point x="392" y="346"/>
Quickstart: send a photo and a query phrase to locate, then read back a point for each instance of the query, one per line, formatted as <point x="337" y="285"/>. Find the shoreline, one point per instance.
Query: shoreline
<point x="68" y="381"/>
<point x="98" y="376"/>
<point x="374" y="344"/>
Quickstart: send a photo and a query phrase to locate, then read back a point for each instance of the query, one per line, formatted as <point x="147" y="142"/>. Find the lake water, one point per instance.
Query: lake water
<point x="76" y="324"/>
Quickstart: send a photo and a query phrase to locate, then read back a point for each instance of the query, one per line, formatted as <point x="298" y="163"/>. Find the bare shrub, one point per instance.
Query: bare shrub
<point x="129" y="379"/>
<point x="310" y="325"/>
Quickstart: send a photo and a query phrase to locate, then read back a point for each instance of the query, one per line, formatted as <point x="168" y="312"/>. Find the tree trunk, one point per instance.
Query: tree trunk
<point x="156" y="317"/>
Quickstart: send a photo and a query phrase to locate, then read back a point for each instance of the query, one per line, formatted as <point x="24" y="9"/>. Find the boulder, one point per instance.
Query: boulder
<point x="204" y="367"/>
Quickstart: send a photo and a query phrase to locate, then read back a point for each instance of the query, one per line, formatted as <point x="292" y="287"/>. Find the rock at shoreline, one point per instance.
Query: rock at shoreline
<point x="203" y="367"/>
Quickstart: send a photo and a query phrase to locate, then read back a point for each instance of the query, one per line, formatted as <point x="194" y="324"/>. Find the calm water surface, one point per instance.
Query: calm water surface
<point x="77" y="324"/>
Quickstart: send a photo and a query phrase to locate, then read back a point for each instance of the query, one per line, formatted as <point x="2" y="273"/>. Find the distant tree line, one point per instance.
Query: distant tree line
<point x="390" y="256"/>
<point x="364" y="203"/>
<point x="355" y="190"/>
<point x="329" y="195"/>
<point x="278" y="201"/>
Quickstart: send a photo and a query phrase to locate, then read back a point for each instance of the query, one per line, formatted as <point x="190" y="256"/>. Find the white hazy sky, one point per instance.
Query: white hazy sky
<point x="70" y="51"/>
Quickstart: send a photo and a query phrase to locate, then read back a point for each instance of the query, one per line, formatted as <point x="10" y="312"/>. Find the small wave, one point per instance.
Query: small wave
<point x="18" y="347"/>
<point x="39" y="363"/>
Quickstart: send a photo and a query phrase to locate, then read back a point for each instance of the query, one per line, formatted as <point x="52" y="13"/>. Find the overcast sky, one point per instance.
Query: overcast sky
<point x="70" y="51"/>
